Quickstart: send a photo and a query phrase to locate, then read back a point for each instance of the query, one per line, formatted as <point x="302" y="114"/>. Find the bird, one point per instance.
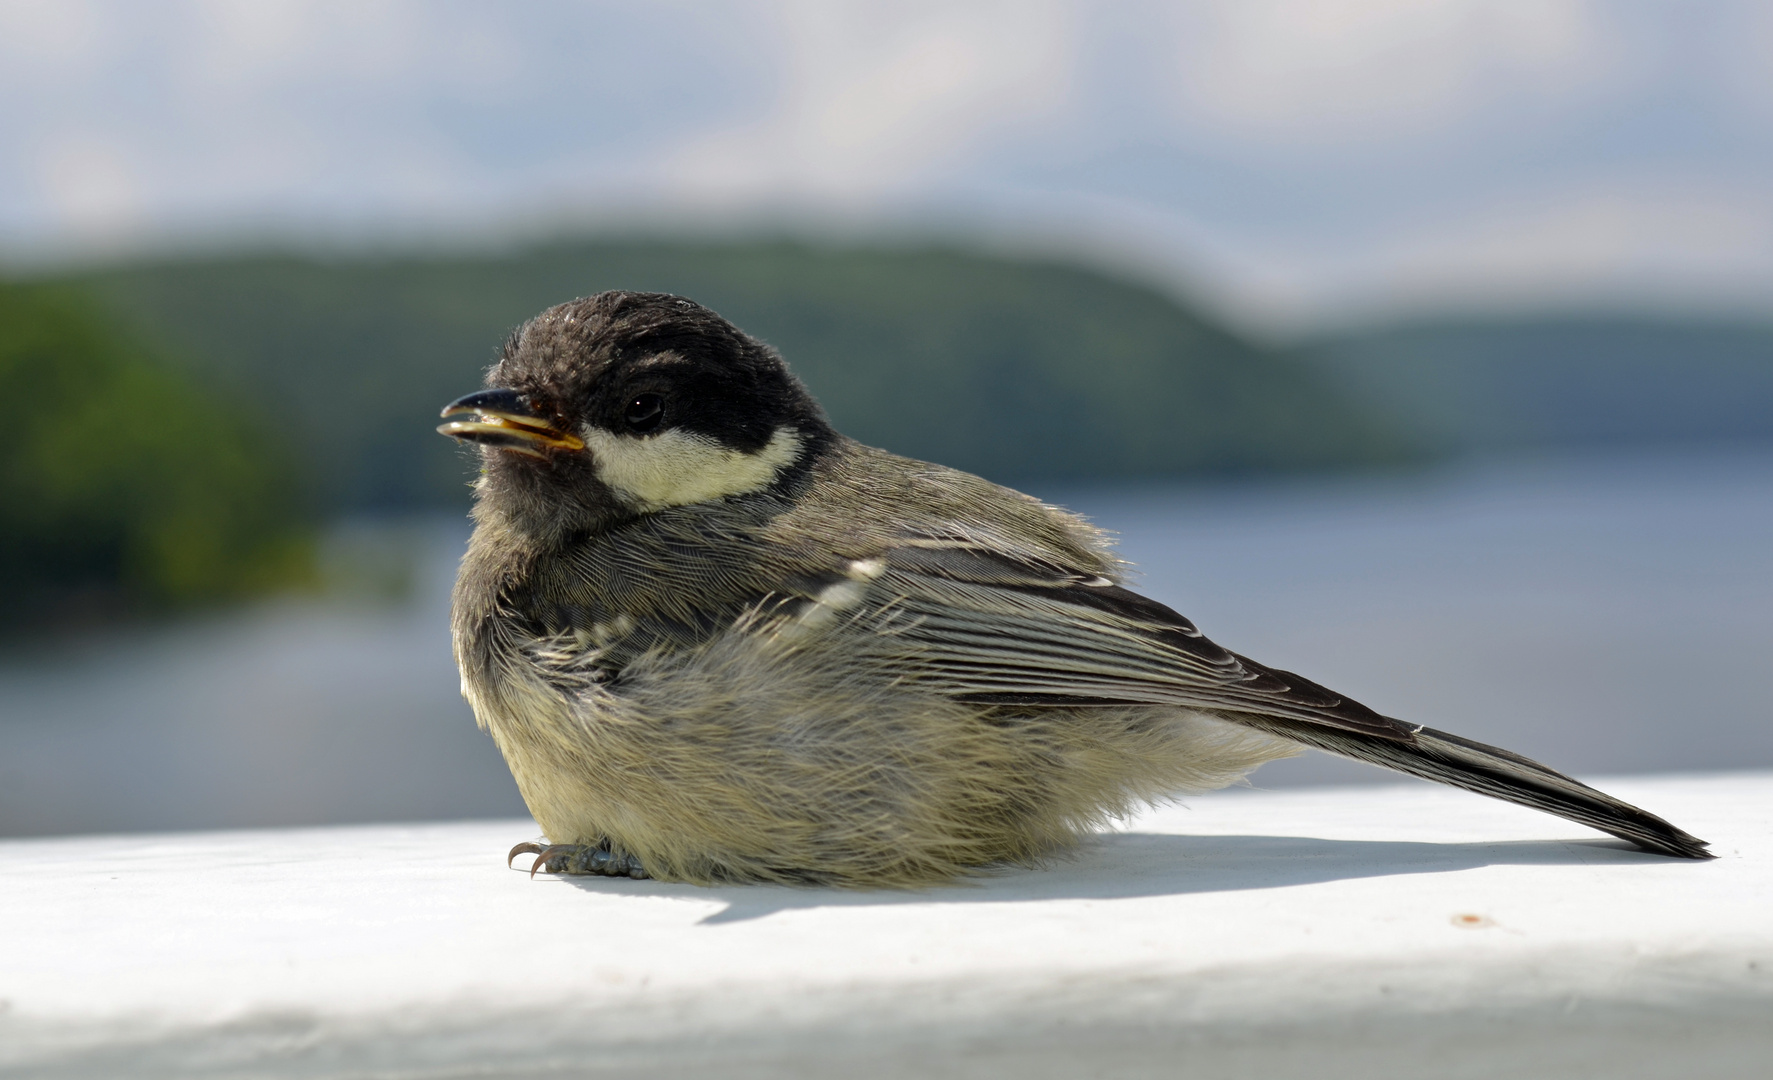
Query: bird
<point x="717" y="641"/>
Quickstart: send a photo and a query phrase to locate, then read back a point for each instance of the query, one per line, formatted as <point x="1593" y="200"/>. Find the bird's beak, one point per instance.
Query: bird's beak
<point x="504" y="418"/>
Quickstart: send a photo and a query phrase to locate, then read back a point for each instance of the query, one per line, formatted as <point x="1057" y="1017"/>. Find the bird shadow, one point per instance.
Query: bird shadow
<point x="1118" y="866"/>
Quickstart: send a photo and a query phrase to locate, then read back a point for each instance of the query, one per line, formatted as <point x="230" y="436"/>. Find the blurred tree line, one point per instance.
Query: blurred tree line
<point x="1548" y="382"/>
<point x="191" y="422"/>
<point x="125" y="484"/>
<point x="1017" y="370"/>
<point x="184" y="427"/>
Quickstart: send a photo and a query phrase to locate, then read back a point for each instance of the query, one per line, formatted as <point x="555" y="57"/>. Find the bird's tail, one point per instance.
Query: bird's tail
<point x="1490" y="770"/>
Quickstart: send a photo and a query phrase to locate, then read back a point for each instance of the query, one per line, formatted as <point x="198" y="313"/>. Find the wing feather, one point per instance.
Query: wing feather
<point x="984" y="625"/>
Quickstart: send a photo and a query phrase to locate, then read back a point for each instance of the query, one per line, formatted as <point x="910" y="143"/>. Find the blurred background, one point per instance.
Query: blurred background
<point x="1422" y="346"/>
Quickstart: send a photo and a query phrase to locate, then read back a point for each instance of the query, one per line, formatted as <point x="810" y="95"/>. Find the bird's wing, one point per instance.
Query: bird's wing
<point x="998" y="627"/>
<point x="964" y="611"/>
<point x="990" y="624"/>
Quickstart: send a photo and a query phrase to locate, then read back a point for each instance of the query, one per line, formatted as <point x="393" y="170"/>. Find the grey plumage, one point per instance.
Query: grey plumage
<point x="714" y="637"/>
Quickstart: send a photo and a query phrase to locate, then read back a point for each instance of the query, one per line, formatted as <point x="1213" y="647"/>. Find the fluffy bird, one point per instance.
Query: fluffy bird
<point x="717" y="641"/>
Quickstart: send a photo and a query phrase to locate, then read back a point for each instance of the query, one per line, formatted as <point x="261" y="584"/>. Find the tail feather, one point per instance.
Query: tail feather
<point x="1489" y="770"/>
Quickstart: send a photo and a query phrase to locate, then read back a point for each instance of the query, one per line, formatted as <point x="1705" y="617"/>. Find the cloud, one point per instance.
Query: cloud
<point x="1677" y="242"/>
<point x="874" y="97"/>
<point x="1292" y="146"/>
<point x="1307" y="72"/>
<point x="213" y="110"/>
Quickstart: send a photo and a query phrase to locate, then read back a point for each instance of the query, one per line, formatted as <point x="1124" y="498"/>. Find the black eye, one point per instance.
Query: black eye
<point x="644" y="413"/>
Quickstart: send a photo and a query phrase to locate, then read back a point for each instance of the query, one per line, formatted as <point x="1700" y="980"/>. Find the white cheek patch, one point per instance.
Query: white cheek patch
<point x="676" y="468"/>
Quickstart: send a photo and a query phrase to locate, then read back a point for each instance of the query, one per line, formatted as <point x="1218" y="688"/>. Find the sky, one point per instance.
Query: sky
<point x="1299" y="164"/>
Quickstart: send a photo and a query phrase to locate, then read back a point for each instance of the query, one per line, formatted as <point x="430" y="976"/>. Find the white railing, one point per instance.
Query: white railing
<point x="1355" y="931"/>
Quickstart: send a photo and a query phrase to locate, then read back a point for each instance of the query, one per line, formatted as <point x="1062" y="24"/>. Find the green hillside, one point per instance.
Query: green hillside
<point x="125" y="486"/>
<point x="188" y="422"/>
<point x="1516" y="384"/>
<point x="1018" y="370"/>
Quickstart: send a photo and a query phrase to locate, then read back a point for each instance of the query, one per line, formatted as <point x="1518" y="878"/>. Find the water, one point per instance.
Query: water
<point x="1605" y="616"/>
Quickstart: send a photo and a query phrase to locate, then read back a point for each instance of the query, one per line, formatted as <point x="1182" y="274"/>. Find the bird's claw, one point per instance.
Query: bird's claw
<point x="579" y="859"/>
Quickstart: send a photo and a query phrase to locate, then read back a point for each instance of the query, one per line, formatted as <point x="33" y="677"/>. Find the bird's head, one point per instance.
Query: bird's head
<point x="623" y="404"/>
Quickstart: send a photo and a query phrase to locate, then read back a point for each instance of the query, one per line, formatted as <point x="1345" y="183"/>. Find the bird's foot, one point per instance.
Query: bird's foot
<point x="579" y="859"/>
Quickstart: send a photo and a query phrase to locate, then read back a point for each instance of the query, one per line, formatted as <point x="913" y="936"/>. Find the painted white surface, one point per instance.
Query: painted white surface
<point x="1323" y="932"/>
